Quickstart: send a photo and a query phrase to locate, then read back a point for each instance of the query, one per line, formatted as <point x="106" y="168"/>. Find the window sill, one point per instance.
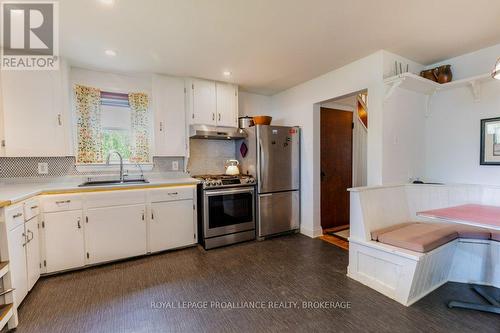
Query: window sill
<point x="112" y="167"/>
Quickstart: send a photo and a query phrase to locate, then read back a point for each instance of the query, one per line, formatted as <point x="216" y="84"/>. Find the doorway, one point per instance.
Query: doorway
<point x="343" y="127"/>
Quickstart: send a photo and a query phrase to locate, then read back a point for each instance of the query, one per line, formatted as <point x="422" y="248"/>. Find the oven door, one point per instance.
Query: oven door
<point x="228" y="211"/>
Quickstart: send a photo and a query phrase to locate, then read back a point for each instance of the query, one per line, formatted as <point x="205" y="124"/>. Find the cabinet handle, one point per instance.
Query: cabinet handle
<point x="59" y="120"/>
<point x="219" y="116"/>
<point x="32" y="236"/>
<point x="213" y="116"/>
<point x="143" y="216"/>
<point x="173" y="193"/>
<point x="161" y="126"/>
<point x="78" y="223"/>
<point x="152" y="215"/>
<point x="62" y="202"/>
<point x="15" y="216"/>
<point x="25" y="239"/>
<point x="34" y="207"/>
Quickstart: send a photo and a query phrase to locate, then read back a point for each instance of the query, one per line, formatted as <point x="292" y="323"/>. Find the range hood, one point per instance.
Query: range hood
<point x="216" y="133"/>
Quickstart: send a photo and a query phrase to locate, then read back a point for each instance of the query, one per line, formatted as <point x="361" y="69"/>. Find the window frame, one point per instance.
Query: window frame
<point x="113" y="165"/>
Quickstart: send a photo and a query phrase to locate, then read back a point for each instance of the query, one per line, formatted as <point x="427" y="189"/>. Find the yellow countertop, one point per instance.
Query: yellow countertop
<point x="12" y="193"/>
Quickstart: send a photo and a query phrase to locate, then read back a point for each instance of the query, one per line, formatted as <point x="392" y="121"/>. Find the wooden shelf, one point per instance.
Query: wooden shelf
<point x="6" y="312"/>
<point x="416" y="83"/>
<point x="4" y="268"/>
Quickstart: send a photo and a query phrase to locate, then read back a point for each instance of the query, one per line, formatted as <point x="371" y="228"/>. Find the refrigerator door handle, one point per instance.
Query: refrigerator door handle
<point x="260" y="174"/>
<point x="265" y="195"/>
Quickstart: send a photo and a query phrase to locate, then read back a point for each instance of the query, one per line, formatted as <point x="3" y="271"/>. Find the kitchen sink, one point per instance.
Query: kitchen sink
<point x="114" y="182"/>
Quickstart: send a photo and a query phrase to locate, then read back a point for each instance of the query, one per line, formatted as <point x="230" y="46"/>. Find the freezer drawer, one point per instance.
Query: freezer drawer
<point x="278" y="212"/>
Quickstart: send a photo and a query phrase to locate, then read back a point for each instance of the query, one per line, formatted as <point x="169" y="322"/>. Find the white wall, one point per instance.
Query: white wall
<point x="453" y="125"/>
<point x="300" y="106"/>
<point x="253" y="104"/>
<point x="403" y="137"/>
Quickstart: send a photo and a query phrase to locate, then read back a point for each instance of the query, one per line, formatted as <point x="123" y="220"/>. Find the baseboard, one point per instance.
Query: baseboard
<point x="311" y="233"/>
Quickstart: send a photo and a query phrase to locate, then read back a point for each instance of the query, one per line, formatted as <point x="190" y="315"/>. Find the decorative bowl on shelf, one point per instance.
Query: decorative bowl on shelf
<point x="262" y="120"/>
<point x="441" y="74"/>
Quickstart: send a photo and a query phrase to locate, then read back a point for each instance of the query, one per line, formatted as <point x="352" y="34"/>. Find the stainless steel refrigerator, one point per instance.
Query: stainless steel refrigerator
<point x="272" y="155"/>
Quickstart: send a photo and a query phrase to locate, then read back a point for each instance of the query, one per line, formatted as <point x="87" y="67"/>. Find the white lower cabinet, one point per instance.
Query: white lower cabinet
<point x="64" y="240"/>
<point x="172" y="225"/>
<point x="32" y="251"/>
<point x="113" y="233"/>
<point x="17" y="262"/>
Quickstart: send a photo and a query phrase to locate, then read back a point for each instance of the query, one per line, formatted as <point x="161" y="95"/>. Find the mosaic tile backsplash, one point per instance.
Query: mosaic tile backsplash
<point x="209" y="156"/>
<point x="27" y="167"/>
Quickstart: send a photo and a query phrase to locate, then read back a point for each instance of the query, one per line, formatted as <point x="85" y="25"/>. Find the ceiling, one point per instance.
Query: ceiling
<point x="268" y="45"/>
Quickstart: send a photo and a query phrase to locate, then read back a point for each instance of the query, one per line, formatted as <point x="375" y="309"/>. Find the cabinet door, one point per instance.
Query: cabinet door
<point x="64" y="240"/>
<point x="32" y="114"/>
<point x="115" y="232"/>
<point x="17" y="263"/>
<point x="203" y="103"/>
<point x="169" y="108"/>
<point x="32" y="251"/>
<point x="227" y="105"/>
<point x="172" y="225"/>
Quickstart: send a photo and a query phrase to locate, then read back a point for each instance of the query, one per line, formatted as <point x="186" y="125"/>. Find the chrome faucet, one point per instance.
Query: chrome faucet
<point x="121" y="163"/>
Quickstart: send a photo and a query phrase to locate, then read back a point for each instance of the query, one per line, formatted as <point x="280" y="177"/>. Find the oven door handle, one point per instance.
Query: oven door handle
<point x="223" y="192"/>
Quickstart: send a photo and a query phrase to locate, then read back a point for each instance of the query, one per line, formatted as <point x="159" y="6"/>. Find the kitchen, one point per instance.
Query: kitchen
<point x="161" y="166"/>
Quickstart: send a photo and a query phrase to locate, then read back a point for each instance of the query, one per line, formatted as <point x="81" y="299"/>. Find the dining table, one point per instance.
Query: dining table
<point x="477" y="215"/>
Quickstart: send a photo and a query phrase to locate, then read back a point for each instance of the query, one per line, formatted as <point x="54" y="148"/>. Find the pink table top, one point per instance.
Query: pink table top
<point x="471" y="214"/>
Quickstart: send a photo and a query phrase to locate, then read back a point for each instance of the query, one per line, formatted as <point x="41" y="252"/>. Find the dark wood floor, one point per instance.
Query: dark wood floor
<point x="117" y="297"/>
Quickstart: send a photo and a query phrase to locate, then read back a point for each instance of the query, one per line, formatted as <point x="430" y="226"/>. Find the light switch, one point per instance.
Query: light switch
<point x="43" y="168"/>
<point x="175" y="165"/>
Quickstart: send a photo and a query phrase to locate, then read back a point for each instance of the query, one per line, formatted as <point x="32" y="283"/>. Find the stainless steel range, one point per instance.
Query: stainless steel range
<point x="226" y="209"/>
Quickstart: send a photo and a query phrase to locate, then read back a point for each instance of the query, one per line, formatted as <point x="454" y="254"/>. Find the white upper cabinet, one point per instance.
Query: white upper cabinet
<point x="169" y="107"/>
<point x="35" y="107"/>
<point x="202" y="106"/>
<point x="212" y="103"/>
<point x="227" y="104"/>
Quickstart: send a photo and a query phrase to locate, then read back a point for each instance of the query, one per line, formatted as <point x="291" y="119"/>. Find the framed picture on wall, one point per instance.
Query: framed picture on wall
<point x="490" y="141"/>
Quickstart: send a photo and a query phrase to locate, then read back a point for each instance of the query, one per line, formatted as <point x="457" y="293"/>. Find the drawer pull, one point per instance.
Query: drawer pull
<point x="25" y="239"/>
<point x="173" y="193"/>
<point x="32" y="236"/>
<point x="63" y="202"/>
<point x="34" y="207"/>
<point x="15" y="216"/>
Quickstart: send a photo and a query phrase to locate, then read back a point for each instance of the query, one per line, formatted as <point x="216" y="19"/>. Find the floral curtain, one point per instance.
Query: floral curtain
<point x="89" y="131"/>
<point x="139" y="104"/>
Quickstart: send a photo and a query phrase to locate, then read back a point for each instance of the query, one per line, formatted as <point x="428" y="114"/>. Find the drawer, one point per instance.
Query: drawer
<point x="31" y="209"/>
<point x="61" y="202"/>
<point x="172" y="193"/>
<point x="14" y="216"/>
<point x="115" y="198"/>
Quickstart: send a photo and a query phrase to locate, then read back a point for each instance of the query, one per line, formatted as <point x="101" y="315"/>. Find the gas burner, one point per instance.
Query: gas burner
<point x="217" y="181"/>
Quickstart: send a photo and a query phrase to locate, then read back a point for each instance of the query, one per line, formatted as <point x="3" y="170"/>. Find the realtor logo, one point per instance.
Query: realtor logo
<point x="29" y="35"/>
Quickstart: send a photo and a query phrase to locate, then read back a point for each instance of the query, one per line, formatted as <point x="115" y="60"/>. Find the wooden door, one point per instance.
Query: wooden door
<point x="172" y="225"/>
<point x="117" y="232"/>
<point x="336" y="166"/>
<point x="64" y="230"/>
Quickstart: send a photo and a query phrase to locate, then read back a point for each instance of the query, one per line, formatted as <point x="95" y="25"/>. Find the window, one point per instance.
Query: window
<point x="108" y="122"/>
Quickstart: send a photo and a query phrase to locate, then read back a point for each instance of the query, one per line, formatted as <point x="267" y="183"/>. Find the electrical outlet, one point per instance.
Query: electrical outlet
<point x="43" y="168"/>
<point x="175" y="165"/>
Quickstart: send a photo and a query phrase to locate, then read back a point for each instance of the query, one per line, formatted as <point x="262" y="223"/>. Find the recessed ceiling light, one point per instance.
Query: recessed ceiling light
<point x="107" y="2"/>
<point x="110" y="53"/>
<point x="226" y="73"/>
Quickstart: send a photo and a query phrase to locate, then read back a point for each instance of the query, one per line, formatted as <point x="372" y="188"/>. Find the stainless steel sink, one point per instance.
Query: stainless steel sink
<point x="114" y="182"/>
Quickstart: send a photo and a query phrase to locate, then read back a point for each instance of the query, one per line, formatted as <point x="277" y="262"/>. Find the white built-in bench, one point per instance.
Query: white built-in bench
<point x="406" y="269"/>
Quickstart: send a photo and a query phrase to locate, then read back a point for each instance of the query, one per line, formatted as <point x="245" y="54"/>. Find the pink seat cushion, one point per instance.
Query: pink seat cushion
<point x="465" y="231"/>
<point x="420" y="237"/>
<point x="495" y="235"/>
<point x="375" y="234"/>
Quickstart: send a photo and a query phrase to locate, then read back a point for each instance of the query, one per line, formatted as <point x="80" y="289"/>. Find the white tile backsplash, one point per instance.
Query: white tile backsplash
<point x="209" y="156"/>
